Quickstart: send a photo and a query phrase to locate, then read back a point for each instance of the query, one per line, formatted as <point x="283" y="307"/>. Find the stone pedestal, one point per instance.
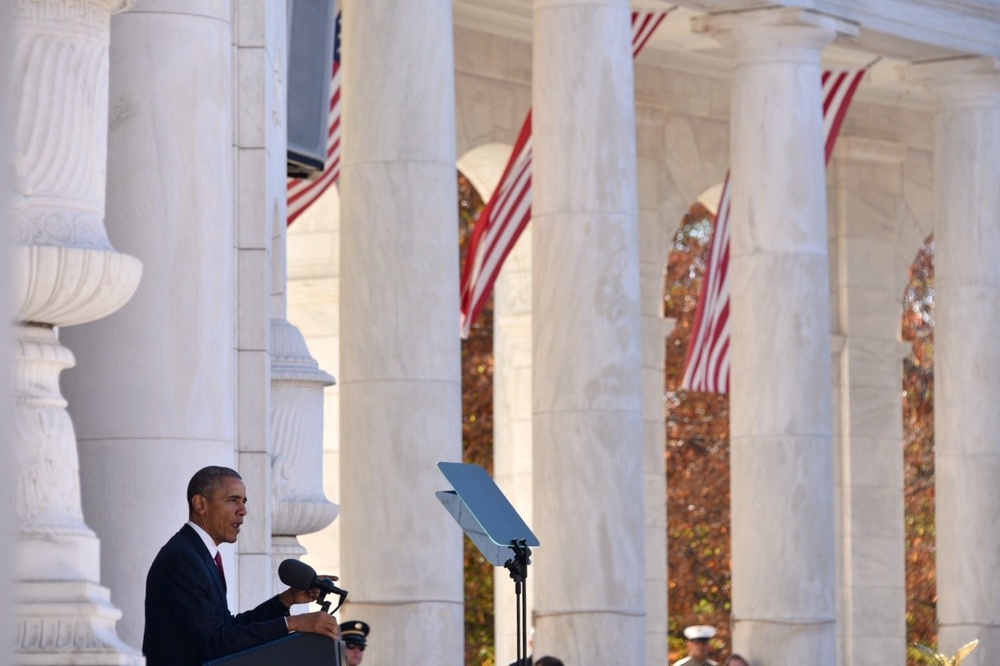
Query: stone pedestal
<point x="66" y="273"/>
<point x="967" y="358"/>
<point x="784" y="609"/>
<point x="587" y="336"/>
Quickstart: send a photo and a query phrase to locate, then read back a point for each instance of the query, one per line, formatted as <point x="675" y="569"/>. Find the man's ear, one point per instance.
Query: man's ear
<point x="199" y="503"/>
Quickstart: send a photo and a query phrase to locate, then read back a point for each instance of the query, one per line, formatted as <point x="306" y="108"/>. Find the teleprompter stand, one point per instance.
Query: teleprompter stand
<point x="489" y="520"/>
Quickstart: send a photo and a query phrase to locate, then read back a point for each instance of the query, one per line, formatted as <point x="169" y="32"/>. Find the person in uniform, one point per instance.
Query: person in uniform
<point x="697" y="646"/>
<point x="355" y="635"/>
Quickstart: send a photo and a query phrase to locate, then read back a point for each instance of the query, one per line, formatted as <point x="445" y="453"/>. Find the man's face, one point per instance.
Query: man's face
<point x="221" y="515"/>
<point x="698" y="649"/>
<point x="355" y="653"/>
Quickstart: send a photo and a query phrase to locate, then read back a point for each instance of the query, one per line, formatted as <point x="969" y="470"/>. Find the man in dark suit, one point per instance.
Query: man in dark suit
<point x="187" y="615"/>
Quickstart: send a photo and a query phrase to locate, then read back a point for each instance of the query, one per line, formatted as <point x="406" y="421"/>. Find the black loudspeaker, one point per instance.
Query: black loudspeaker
<point x="312" y="27"/>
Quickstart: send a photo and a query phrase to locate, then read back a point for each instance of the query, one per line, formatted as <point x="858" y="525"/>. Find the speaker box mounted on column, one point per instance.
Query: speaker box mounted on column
<point x="311" y="45"/>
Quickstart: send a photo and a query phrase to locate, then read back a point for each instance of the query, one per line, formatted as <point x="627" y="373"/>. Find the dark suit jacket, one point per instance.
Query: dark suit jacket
<point x="187" y="617"/>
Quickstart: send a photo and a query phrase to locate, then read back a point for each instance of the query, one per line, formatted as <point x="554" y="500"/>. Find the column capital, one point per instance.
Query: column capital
<point x="960" y="82"/>
<point x="772" y="33"/>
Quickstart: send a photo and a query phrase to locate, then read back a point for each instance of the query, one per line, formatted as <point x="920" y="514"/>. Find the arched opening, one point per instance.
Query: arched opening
<point x="918" y="451"/>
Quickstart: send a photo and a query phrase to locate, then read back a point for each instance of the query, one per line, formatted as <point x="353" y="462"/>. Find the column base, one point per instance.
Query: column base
<point x="68" y="622"/>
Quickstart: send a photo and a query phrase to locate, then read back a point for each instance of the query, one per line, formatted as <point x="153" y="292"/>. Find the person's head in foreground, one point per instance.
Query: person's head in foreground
<point x="697" y="641"/>
<point x="355" y="636"/>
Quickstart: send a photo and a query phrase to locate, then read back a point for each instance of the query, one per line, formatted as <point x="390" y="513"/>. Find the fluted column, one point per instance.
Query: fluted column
<point x="154" y="392"/>
<point x="866" y="197"/>
<point x="587" y="335"/>
<point x="66" y="273"/>
<point x="400" y="355"/>
<point x="781" y="398"/>
<point x="967" y="358"/>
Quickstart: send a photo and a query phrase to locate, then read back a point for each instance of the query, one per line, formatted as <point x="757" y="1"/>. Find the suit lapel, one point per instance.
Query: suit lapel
<point x="208" y="563"/>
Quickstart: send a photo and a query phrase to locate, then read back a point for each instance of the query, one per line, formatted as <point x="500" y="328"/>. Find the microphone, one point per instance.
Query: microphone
<point x="301" y="576"/>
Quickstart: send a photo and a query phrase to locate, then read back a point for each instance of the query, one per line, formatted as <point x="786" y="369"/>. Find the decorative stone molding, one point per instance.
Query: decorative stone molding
<point x="48" y="490"/>
<point x="297" y="382"/>
<point x="66" y="272"/>
<point x="73" y="13"/>
<point x="74" y="620"/>
<point x="62" y="286"/>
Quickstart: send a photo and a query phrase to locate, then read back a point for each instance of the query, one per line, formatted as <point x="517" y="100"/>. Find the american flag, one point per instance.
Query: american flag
<point x="706" y="367"/>
<point x="509" y="209"/>
<point x="302" y="192"/>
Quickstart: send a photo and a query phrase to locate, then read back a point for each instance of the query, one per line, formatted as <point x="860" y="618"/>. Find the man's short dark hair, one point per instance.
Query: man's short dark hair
<point x="207" y="480"/>
<point x="548" y="661"/>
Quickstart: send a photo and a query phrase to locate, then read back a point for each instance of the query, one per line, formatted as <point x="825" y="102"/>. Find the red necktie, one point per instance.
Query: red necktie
<point x="218" y="563"/>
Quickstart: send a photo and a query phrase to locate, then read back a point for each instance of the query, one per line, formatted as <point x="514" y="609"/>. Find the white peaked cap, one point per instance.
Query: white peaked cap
<point x="699" y="631"/>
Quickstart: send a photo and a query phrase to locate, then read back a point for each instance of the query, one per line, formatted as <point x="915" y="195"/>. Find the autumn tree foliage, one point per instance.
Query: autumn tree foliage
<point x="477" y="443"/>
<point x="918" y="451"/>
<point x="697" y="458"/>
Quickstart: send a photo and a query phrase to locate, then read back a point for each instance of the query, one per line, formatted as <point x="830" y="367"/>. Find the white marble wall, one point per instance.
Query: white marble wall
<point x="400" y="355"/>
<point x="314" y="307"/>
<point x="587" y="338"/>
<point x="967" y="305"/>
<point x="7" y="474"/>
<point x="153" y="394"/>
<point x="512" y="423"/>
<point x="866" y="184"/>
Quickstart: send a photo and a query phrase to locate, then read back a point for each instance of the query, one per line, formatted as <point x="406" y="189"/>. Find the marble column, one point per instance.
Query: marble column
<point x="587" y="338"/>
<point x="780" y="399"/>
<point x="967" y="358"/>
<point x="154" y="392"/>
<point x="512" y="449"/>
<point x="400" y="383"/>
<point x="66" y="272"/>
<point x="654" y="248"/>
<point x="866" y="200"/>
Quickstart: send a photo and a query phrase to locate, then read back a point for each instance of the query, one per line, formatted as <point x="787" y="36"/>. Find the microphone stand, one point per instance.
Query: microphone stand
<point x="518" y="567"/>
<point x="325" y="605"/>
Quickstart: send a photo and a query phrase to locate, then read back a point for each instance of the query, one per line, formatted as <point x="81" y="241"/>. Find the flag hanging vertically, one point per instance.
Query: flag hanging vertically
<point x="509" y="209"/>
<point x="706" y="367"/>
<point x="302" y="192"/>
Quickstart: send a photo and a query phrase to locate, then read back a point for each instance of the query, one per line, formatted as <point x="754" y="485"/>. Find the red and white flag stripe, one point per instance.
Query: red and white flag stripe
<point x="706" y="367"/>
<point x="509" y="209"/>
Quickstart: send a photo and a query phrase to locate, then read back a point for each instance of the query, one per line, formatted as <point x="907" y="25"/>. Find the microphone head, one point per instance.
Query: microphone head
<point x="298" y="575"/>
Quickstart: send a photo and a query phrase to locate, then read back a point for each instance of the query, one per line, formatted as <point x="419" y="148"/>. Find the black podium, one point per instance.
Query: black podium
<point x="299" y="649"/>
